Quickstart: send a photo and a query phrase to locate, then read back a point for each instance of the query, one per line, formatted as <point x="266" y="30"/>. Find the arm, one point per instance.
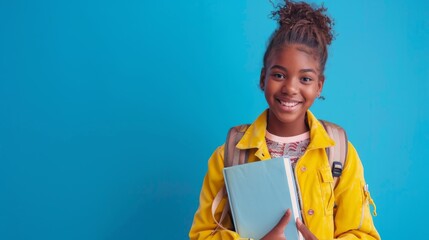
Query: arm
<point x="353" y="218"/>
<point x="204" y="226"/>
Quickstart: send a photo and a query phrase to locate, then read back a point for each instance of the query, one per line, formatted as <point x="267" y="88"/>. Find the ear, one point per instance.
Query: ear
<point x="320" y="84"/>
<point x="262" y="79"/>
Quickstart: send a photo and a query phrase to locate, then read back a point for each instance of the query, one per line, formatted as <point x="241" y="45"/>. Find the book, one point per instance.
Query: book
<point x="259" y="194"/>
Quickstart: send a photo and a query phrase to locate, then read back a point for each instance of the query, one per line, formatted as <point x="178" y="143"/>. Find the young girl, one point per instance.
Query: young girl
<point x="292" y="77"/>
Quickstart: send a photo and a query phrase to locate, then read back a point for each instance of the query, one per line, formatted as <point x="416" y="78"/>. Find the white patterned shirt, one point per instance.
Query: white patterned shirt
<point x="291" y="147"/>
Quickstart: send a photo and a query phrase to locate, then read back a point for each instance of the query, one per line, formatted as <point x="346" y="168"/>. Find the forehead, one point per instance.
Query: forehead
<point x="296" y="55"/>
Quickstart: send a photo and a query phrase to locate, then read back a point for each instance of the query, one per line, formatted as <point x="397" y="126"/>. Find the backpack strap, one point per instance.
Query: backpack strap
<point x="337" y="154"/>
<point x="234" y="136"/>
<point x="232" y="156"/>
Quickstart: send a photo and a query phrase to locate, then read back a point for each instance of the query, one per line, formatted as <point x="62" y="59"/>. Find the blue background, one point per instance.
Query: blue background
<point x="109" y="110"/>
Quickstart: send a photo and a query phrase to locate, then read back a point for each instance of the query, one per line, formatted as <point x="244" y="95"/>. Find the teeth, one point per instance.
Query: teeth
<point x="289" y="104"/>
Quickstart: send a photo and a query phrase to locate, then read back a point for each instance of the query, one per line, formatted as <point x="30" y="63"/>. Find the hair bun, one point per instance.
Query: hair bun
<point x="299" y="14"/>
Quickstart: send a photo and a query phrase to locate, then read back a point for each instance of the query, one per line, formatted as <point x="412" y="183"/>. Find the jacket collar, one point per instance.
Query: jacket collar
<point x="319" y="138"/>
<point x="254" y="137"/>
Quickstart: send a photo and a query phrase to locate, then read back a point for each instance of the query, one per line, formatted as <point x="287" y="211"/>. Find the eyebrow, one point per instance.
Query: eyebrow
<point x="302" y="70"/>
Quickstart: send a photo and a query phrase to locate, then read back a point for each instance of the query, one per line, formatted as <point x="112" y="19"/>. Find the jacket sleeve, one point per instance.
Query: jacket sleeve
<point x="353" y="218"/>
<point x="203" y="226"/>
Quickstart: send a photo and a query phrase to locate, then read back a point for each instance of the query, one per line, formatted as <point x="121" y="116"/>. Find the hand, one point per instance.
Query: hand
<point x="278" y="232"/>
<point x="304" y="230"/>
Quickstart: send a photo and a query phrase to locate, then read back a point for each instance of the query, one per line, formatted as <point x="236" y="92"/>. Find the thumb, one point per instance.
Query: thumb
<point x="278" y="231"/>
<point x="281" y="225"/>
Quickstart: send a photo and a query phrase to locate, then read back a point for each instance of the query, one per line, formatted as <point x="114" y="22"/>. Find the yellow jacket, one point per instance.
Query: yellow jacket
<point x="351" y="217"/>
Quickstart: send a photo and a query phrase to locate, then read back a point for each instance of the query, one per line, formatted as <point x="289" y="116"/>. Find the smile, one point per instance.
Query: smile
<point x="288" y="104"/>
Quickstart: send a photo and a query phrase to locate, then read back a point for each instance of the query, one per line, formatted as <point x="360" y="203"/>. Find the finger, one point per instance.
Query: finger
<point x="305" y="232"/>
<point x="281" y="225"/>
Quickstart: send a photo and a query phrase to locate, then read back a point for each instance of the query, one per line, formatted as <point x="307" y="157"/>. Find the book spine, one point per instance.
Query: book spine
<point x="293" y="192"/>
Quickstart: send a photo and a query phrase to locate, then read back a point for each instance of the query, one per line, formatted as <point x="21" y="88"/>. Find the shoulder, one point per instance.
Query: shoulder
<point x="353" y="165"/>
<point x="240" y="128"/>
<point x="331" y="125"/>
<point x="218" y="152"/>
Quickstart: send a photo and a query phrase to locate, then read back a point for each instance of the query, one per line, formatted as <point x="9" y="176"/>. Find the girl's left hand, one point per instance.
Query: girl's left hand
<point x="304" y="230"/>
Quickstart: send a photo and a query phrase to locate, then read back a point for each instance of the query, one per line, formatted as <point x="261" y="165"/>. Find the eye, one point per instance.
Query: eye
<point x="278" y="76"/>
<point x="306" y="80"/>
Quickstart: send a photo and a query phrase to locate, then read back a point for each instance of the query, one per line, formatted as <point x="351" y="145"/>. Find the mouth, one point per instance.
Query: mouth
<point x="288" y="105"/>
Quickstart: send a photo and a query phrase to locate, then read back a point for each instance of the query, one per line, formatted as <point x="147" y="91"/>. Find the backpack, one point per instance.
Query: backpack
<point x="233" y="156"/>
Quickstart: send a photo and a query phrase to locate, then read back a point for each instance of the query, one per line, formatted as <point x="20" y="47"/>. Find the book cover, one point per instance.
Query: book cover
<point x="259" y="194"/>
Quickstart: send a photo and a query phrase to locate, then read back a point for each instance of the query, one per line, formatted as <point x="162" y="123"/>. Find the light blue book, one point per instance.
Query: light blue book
<point x="259" y="194"/>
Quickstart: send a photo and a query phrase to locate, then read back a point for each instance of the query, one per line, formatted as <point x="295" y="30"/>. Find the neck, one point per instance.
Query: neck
<point x="281" y="129"/>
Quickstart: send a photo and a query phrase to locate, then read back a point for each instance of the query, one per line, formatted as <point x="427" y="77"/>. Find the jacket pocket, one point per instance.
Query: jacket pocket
<point x="327" y="189"/>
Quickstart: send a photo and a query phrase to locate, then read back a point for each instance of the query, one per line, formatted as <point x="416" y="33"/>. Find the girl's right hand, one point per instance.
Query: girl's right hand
<point x="278" y="232"/>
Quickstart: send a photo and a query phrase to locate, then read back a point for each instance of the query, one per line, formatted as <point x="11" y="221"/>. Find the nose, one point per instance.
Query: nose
<point x="290" y="86"/>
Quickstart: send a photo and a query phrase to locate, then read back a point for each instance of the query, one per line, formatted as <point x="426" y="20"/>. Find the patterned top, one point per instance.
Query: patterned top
<point x="290" y="147"/>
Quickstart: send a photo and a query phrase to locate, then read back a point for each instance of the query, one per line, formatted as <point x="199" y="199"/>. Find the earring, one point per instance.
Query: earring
<point x="321" y="97"/>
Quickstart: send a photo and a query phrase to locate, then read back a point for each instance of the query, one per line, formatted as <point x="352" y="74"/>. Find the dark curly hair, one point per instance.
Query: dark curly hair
<point x="302" y="23"/>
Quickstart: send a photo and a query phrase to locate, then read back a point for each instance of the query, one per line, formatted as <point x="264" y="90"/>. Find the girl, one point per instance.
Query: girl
<point x="292" y="77"/>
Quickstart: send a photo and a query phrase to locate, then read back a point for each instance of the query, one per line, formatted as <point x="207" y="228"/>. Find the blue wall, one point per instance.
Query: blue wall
<point x="109" y="110"/>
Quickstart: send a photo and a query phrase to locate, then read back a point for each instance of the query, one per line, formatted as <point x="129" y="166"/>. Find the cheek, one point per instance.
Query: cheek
<point x="272" y="86"/>
<point x="269" y="92"/>
<point x="311" y="93"/>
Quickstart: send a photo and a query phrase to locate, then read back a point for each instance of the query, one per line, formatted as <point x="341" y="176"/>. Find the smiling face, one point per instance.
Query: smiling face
<point x="291" y="80"/>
